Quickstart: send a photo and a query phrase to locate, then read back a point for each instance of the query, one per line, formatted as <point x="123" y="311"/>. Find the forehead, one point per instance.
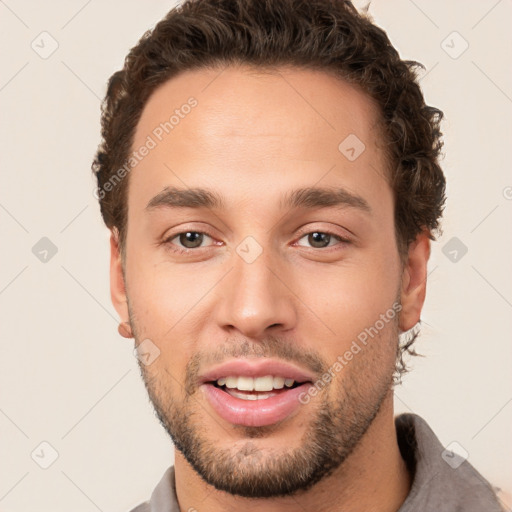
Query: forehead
<point x="249" y="128"/>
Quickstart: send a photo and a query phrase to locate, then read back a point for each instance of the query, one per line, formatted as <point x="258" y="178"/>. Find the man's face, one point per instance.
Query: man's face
<point x="263" y="280"/>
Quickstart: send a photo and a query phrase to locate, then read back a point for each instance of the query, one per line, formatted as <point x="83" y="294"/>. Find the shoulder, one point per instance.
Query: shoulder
<point x="143" y="507"/>
<point x="163" y="497"/>
<point x="441" y="479"/>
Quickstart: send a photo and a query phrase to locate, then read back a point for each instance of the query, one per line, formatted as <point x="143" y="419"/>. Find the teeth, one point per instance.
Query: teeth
<point x="245" y="383"/>
<point x="231" y="382"/>
<point x="246" y="396"/>
<point x="266" y="383"/>
<point x="278" y="382"/>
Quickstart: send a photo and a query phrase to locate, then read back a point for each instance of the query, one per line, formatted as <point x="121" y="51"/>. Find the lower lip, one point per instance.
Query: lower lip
<point x="254" y="413"/>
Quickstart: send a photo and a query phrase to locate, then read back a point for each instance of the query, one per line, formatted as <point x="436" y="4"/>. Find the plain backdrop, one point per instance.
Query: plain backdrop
<point x="69" y="380"/>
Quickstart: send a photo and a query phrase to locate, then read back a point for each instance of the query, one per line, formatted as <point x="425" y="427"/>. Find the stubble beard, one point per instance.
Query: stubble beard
<point x="337" y="426"/>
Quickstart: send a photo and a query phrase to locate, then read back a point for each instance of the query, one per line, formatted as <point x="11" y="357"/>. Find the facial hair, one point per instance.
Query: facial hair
<point x="342" y="412"/>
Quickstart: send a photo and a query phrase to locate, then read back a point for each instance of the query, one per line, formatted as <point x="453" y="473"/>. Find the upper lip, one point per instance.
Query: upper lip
<point x="256" y="368"/>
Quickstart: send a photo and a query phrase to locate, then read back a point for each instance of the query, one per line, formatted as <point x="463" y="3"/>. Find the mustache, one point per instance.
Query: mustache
<point x="270" y="347"/>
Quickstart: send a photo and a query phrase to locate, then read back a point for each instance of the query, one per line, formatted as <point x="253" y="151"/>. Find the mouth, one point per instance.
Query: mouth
<point x="259" y="388"/>
<point x="254" y="402"/>
<point x="255" y="392"/>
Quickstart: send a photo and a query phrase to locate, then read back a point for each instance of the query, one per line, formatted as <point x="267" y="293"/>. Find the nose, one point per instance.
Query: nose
<point x="256" y="297"/>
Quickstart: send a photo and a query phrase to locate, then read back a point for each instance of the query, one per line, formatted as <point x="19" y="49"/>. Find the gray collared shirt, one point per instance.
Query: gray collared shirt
<point x="441" y="480"/>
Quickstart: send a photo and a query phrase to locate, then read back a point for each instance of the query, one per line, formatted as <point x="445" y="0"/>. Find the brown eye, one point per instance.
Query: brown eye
<point x="319" y="239"/>
<point x="322" y="239"/>
<point x="193" y="238"/>
<point x="186" y="241"/>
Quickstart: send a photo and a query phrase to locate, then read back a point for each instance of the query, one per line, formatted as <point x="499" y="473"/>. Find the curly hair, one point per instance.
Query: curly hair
<point x="326" y="35"/>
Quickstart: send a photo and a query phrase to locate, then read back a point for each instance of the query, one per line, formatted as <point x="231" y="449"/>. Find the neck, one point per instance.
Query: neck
<point x="374" y="478"/>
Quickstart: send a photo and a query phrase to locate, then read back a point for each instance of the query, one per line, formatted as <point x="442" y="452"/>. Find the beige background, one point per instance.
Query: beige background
<point x="67" y="377"/>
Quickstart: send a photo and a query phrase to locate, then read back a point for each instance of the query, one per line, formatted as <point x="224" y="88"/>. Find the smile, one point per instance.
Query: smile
<point x="254" y="402"/>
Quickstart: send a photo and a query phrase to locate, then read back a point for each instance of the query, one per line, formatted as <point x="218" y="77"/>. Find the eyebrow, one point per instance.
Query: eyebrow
<point x="306" y="198"/>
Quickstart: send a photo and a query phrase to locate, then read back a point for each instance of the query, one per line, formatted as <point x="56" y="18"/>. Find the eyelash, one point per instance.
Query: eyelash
<point x="178" y="250"/>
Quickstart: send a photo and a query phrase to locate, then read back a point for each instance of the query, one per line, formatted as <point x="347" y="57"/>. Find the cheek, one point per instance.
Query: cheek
<point x="352" y="293"/>
<point x="161" y="292"/>
<point x="350" y="299"/>
<point x="172" y="303"/>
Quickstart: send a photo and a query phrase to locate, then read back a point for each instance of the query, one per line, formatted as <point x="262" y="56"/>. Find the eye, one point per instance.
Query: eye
<point x="190" y="240"/>
<point x="322" y="239"/>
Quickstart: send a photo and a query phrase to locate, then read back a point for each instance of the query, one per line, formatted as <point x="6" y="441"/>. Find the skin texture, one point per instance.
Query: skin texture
<point x="253" y="137"/>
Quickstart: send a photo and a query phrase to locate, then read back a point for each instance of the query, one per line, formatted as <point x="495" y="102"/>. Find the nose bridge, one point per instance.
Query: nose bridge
<point x="255" y="298"/>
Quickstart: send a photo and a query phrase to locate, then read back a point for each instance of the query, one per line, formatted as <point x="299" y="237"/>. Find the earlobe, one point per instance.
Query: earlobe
<point x="414" y="281"/>
<point x="117" y="284"/>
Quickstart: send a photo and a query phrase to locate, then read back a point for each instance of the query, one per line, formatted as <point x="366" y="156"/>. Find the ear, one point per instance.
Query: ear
<point x="414" y="281"/>
<point x="117" y="285"/>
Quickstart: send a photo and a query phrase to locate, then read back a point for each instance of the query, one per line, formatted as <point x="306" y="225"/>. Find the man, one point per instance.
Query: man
<point x="271" y="321"/>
